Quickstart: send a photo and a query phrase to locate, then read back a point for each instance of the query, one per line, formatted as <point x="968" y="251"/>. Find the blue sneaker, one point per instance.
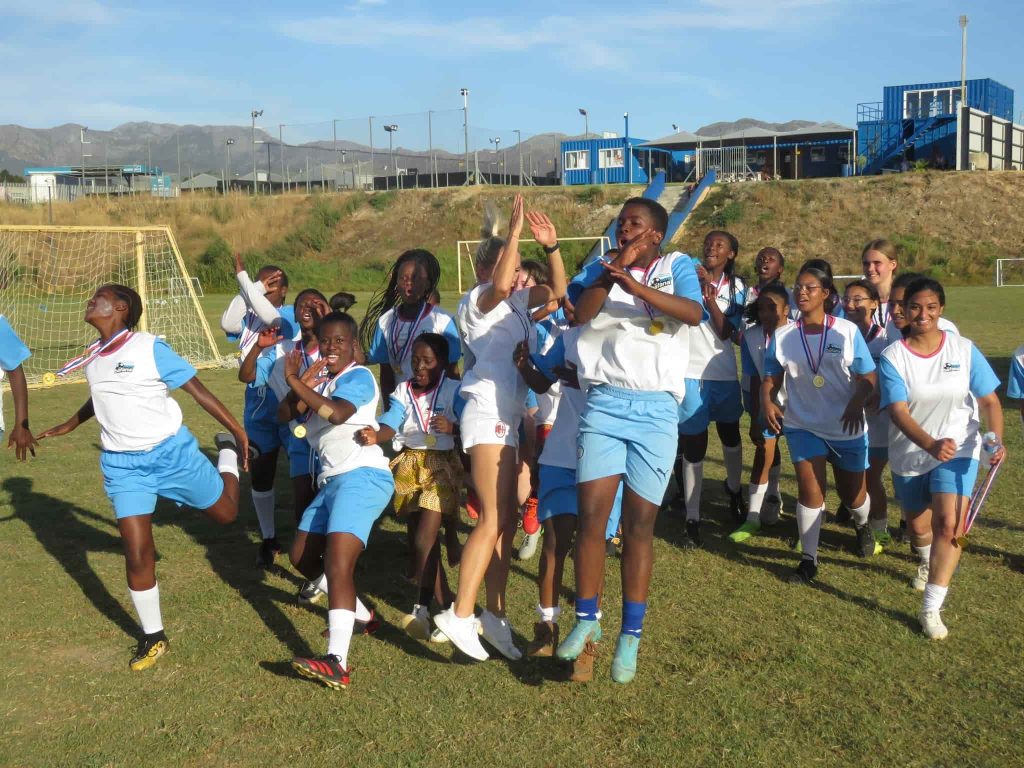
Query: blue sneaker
<point x="624" y="661"/>
<point x="574" y="642"/>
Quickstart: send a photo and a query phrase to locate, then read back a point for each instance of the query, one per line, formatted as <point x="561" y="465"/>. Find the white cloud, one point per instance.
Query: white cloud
<point x="60" y="11"/>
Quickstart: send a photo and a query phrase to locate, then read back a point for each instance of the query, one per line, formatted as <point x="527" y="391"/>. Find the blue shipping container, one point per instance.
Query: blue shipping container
<point x="603" y="161"/>
<point x="986" y="95"/>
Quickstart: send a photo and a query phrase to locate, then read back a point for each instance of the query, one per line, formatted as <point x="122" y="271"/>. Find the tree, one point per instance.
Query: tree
<point x="6" y="175"/>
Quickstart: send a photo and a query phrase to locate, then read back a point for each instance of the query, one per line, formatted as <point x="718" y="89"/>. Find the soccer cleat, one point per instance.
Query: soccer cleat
<point x="843" y="515"/>
<point x="326" y="669"/>
<point x="624" y="660"/>
<point x="613" y="546"/>
<point x="866" y="546"/>
<point x="150" y="648"/>
<point x="371" y="625"/>
<point x="931" y="625"/>
<point x="744" y="532"/>
<point x="529" y="546"/>
<point x="531" y="524"/>
<point x="692" y="540"/>
<point x="771" y="510"/>
<point x="920" y="581"/>
<point x="805" y="573"/>
<point x="545" y="640"/>
<point x="583" y="665"/>
<point x="417" y="623"/>
<point x="584" y="632"/>
<point x="269" y="549"/>
<point x="463" y="633"/>
<point x="498" y="633"/>
<point x="472" y="504"/>
<point x="883" y="538"/>
<point x="310" y="594"/>
<point x="737" y="507"/>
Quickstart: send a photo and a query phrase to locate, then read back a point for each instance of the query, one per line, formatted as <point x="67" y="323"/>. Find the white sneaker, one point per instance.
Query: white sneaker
<point x="920" y="581"/>
<point x="417" y="623"/>
<point x="462" y="632"/>
<point x="931" y="624"/>
<point x="529" y="546"/>
<point x="498" y="632"/>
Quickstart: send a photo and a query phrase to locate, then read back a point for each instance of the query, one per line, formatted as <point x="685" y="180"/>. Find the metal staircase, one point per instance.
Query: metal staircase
<point x="884" y="154"/>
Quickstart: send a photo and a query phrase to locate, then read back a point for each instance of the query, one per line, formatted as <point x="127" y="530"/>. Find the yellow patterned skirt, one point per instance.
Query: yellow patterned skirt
<point x="430" y="480"/>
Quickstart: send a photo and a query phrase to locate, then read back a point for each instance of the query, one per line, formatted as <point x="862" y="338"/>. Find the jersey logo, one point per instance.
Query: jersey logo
<point x="661" y="282"/>
<point x="833" y="349"/>
<point x="951" y="367"/>
<point x="500" y="429"/>
<point x="124" y="367"/>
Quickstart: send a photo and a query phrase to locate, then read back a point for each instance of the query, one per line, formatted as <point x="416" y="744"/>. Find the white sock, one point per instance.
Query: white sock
<point x="339" y="623"/>
<point x="860" y="514"/>
<point x="733" y="458"/>
<point x="549" y="614"/>
<point x="227" y="461"/>
<point x="808" y="523"/>
<point x="321" y="583"/>
<point x="363" y="614"/>
<point x="934" y="595"/>
<point x="924" y="553"/>
<point x="693" y="479"/>
<point x="773" y="480"/>
<point x="757" y="494"/>
<point x="263" y="502"/>
<point x="878" y="525"/>
<point x="147" y="607"/>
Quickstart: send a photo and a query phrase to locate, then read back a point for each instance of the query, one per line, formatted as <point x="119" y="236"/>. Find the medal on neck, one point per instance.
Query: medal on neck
<point x="299" y="430"/>
<point x="818" y="381"/>
<point x="93" y="351"/>
<point x="399" y="353"/>
<point x="656" y="325"/>
<point x="423" y="420"/>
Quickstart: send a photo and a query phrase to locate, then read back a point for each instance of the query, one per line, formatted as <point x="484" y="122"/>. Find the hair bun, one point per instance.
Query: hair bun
<point x="492" y="220"/>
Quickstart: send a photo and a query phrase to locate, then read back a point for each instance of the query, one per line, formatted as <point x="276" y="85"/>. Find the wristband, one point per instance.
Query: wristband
<point x="325" y="411"/>
<point x="551" y="249"/>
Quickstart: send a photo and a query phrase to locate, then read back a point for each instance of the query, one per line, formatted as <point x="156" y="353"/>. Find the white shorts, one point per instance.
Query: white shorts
<point x="485" y="424"/>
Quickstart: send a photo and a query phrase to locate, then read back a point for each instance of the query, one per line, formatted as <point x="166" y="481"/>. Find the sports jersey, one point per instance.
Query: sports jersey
<point x="411" y="411"/>
<point x="753" y="346"/>
<point x="129" y="387"/>
<point x="336" y="444"/>
<point x="13" y="353"/>
<point x="712" y="358"/>
<point x="548" y="330"/>
<point x="276" y="378"/>
<point x="393" y="337"/>
<point x="617" y="346"/>
<point x="840" y="352"/>
<point x="878" y="423"/>
<point x="491" y="375"/>
<point x="560" y="445"/>
<point x="1015" y="387"/>
<point x="937" y="389"/>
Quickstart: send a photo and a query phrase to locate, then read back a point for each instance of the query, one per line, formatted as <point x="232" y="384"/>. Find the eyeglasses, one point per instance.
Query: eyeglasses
<point x="804" y="288"/>
<point x="855" y="300"/>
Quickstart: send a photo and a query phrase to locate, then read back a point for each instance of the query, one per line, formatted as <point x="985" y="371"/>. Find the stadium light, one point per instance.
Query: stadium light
<point x="81" y="137"/>
<point x="464" y="93"/>
<point x="586" y="122"/>
<point x="255" y="113"/>
<point x="391" y="147"/>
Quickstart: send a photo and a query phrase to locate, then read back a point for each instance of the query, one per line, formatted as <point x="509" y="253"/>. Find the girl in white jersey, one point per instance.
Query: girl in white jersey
<point x="930" y="382"/>
<point x="635" y="314"/>
<point x="337" y="398"/>
<point x="493" y="319"/>
<point x="879" y="262"/>
<point x="146" y="450"/>
<point x="825" y="365"/>
<point x="712" y="383"/>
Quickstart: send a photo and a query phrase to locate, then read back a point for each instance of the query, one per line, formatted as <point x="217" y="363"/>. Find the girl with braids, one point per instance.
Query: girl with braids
<point x="146" y="449"/>
<point x="494" y="319"/>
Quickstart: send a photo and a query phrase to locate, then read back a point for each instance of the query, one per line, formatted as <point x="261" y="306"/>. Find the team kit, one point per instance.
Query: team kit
<point x="559" y="404"/>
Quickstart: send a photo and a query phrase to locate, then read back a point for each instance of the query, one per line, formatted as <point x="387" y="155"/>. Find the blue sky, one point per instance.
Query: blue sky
<point x="529" y="65"/>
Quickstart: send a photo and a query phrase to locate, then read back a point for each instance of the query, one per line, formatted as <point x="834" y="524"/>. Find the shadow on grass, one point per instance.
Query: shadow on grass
<point x="62" y="530"/>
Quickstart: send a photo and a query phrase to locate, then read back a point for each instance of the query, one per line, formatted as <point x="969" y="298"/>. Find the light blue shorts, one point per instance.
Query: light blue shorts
<point x="267" y="434"/>
<point x="175" y="469"/>
<point x="955" y="476"/>
<point x="556" y="495"/>
<point x="302" y="459"/>
<point x="631" y="433"/>
<point x="349" y="503"/>
<point x="847" y="455"/>
<point x="717" y="401"/>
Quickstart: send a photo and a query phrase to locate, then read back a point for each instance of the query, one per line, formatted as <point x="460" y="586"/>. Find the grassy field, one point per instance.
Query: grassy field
<point x="737" y="667"/>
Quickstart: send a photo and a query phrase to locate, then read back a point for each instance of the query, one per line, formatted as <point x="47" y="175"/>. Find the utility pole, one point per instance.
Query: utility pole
<point x="465" y="126"/>
<point x="519" y="146"/>
<point x="280" y="138"/>
<point x="586" y="122"/>
<point x="963" y="61"/>
<point x="255" y="113"/>
<point x="227" y="166"/>
<point x="430" y="144"/>
<point x="391" y="147"/>
<point x="373" y="177"/>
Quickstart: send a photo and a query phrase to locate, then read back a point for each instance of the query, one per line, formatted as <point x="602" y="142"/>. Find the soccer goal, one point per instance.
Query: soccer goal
<point x="1010" y="273"/>
<point x="466" y="247"/>
<point x="180" y="290"/>
<point x="47" y="274"/>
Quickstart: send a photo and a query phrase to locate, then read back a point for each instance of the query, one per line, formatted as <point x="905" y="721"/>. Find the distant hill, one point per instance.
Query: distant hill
<point x="716" y="129"/>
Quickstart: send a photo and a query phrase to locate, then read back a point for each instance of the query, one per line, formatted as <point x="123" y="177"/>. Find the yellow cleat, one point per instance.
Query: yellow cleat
<point x="151" y="648"/>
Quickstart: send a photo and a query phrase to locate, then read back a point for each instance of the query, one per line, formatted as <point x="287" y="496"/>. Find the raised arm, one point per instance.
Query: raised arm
<point x="544" y="233"/>
<point x="504" y="274"/>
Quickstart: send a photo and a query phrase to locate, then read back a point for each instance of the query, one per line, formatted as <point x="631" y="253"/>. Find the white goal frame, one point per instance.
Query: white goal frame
<point x="604" y="240"/>
<point x="197" y="287"/>
<point x="1000" y="282"/>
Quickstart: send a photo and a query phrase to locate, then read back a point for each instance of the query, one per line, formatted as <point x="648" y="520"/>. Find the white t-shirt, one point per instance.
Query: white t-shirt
<point x="393" y="337"/>
<point x="841" y="351"/>
<point x="878" y="423"/>
<point x="712" y="358"/>
<point x="617" y="348"/>
<point x="753" y="346"/>
<point x="1015" y="386"/>
<point x="939" y="391"/>
<point x="491" y="376"/>
<point x="411" y="410"/>
<point x="276" y="380"/>
<point x="560" y="446"/>
<point x="129" y="386"/>
<point x="547" y="403"/>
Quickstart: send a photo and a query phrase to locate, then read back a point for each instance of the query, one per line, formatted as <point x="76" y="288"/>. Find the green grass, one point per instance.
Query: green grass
<point x="737" y="667"/>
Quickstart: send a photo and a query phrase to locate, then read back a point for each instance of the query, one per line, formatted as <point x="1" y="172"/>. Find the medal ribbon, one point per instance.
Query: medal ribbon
<point x="647" y="272"/>
<point x="249" y="333"/>
<point x="825" y="327"/>
<point x="92" y="351"/>
<point x="396" y="326"/>
<point x="423" y="422"/>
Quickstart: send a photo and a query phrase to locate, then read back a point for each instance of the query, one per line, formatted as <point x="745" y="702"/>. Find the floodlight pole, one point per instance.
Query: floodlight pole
<point x="81" y="138"/>
<point x="586" y="122"/>
<point x="430" y="145"/>
<point x="519" y="146"/>
<point x="963" y="61"/>
<point x="464" y="92"/>
<point x="373" y="177"/>
<point x="391" y="149"/>
<point x="280" y="138"/>
<point x="227" y="166"/>
<point x="255" y="113"/>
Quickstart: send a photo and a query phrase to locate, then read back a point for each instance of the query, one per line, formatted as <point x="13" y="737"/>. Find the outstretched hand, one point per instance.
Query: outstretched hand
<point x="630" y="252"/>
<point x="515" y="221"/>
<point x="23" y="442"/>
<point x="239" y="266"/>
<point x="61" y="429"/>
<point x="542" y="228"/>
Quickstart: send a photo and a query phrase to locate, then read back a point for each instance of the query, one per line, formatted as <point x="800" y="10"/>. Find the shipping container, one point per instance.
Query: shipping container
<point x="923" y="100"/>
<point x="604" y="161"/>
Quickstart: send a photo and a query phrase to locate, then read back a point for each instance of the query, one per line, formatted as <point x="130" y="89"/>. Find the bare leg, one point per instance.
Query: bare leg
<point x="139" y="551"/>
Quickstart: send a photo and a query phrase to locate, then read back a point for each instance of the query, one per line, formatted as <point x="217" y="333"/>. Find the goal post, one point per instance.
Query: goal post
<point x="467" y="245"/>
<point x="48" y="273"/>
<point x="1009" y="273"/>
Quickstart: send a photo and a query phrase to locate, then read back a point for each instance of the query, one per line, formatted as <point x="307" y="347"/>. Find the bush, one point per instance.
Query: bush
<point x="381" y="200"/>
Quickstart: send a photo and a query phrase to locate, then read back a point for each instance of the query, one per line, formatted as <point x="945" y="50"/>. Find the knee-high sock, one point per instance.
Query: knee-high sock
<point x="860" y="514"/>
<point x="756" y="500"/>
<point x="693" y="479"/>
<point x="227" y="461"/>
<point x="263" y="502"/>
<point x="773" y="480"/>
<point x="808" y="522"/>
<point x="147" y="607"/>
<point x="340" y="622"/>
<point x="363" y="613"/>
<point x="732" y="455"/>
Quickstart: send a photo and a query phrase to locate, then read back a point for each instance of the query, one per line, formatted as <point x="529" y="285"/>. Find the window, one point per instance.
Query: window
<point x="920" y="105"/>
<point x="610" y="158"/>
<point x="844" y="155"/>
<point x="577" y="160"/>
<point x="759" y="158"/>
<point x="817" y="154"/>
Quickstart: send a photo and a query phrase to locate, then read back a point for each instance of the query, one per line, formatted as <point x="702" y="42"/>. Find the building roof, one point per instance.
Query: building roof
<point x="201" y="181"/>
<point x="684" y="140"/>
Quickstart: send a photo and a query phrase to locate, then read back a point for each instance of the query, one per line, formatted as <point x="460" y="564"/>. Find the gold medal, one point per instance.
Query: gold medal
<point x="397" y="370"/>
<point x="818" y="381"/>
<point x="299" y="431"/>
<point x="430" y="440"/>
<point x="655" y="327"/>
<point x="49" y="379"/>
<point x="961" y="541"/>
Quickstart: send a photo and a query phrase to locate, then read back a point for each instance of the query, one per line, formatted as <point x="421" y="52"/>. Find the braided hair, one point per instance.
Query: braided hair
<point x="387" y="297"/>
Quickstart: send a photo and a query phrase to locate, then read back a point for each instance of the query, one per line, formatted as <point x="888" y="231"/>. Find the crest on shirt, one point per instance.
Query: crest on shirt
<point x="950" y="367"/>
<point x="833" y="349"/>
<point x="124" y="367"/>
<point x="500" y="429"/>
<point x="661" y="282"/>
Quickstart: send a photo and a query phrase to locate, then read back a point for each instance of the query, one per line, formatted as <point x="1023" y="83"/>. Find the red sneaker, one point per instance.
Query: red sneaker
<point x="472" y="505"/>
<point x="326" y="669"/>
<point x="530" y="522"/>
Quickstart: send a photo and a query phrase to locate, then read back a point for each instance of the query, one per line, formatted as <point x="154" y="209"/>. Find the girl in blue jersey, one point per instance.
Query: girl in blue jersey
<point x="825" y="365"/>
<point x="1015" y="387"/>
<point x="712" y="383"/>
<point x="147" y="452"/>
<point x="636" y="312"/>
<point x="337" y="398"/>
<point x="931" y="380"/>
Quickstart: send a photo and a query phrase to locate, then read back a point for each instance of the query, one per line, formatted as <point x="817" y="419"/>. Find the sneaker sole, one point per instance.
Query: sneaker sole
<point x="441" y="621"/>
<point x="514" y="655"/>
<point x="309" y="674"/>
<point x="315" y="600"/>
<point x="150" y="658"/>
<point x="414" y="628"/>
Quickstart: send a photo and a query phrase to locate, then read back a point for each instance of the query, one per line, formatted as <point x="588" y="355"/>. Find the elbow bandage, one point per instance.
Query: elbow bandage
<point x="325" y="411"/>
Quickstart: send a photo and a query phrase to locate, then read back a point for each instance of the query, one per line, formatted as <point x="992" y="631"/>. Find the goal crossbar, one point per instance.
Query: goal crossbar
<point x="604" y="240"/>
<point x="1016" y="280"/>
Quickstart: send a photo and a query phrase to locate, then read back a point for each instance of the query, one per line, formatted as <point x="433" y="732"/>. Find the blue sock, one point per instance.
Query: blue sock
<point x="586" y="608"/>
<point x="633" y="617"/>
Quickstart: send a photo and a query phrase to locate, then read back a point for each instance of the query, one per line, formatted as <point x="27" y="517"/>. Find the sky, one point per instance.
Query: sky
<point x="529" y="65"/>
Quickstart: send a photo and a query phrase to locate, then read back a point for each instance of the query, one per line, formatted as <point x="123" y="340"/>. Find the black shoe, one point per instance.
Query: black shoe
<point x="151" y="647"/>
<point x="805" y="573"/>
<point x="269" y="549"/>
<point x="771" y="510"/>
<point x="865" y="540"/>
<point x="693" y="539"/>
<point x="843" y="516"/>
<point x="900" y="534"/>
<point x="736" y="506"/>
<point x="611" y="546"/>
<point x="310" y="594"/>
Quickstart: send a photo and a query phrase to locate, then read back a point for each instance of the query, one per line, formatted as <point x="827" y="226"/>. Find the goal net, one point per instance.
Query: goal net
<point x="47" y="274"/>
<point x="1010" y="273"/>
